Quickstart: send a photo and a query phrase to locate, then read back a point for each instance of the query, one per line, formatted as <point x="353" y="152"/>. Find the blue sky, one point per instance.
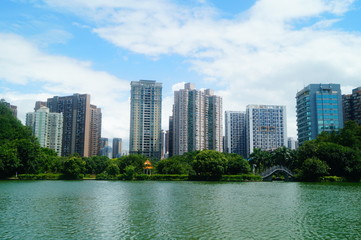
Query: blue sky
<point x="249" y="52"/>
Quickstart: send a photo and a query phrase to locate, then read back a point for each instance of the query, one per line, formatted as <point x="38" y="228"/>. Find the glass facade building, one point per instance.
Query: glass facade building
<point x="319" y="108"/>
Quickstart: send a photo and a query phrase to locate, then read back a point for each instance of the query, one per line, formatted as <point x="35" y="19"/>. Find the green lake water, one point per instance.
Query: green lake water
<point x="178" y="210"/>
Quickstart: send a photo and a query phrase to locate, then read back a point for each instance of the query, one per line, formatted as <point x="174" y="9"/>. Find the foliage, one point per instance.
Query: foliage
<point x="9" y="161"/>
<point x="313" y="168"/>
<point x="260" y="159"/>
<point x="236" y="164"/>
<point x="283" y="156"/>
<point x="241" y="178"/>
<point x="173" y="165"/>
<point x="129" y="172"/>
<point x="96" y="164"/>
<point x="162" y="177"/>
<point x="209" y="165"/>
<point x="19" y="150"/>
<point x="11" y="128"/>
<point x="105" y="176"/>
<point x="41" y="176"/>
<point x="112" y="169"/>
<point x="332" y="179"/>
<point x="135" y="160"/>
<point x="74" y="168"/>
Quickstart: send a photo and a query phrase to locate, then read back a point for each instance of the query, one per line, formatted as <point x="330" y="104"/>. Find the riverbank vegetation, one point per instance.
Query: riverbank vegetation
<point x="336" y="154"/>
<point x="331" y="157"/>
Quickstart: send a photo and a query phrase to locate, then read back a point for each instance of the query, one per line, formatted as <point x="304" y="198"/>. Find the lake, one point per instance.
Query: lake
<point x="179" y="210"/>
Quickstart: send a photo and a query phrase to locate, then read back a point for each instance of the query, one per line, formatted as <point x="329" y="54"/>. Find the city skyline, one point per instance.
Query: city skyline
<point x="249" y="52"/>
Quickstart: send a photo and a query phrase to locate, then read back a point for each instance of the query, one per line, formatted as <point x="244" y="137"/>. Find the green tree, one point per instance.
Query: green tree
<point x="209" y="164"/>
<point x="9" y="161"/>
<point x="261" y="159"/>
<point x="350" y="135"/>
<point x="236" y="164"/>
<point x="29" y="153"/>
<point x="74" y="167"/>
<point x="173" y="166"/>
<point x="135" y="160"/>
<point x="112" y="169"/>
<point x="283" y="156"/>
<point x="130" y="172"/>
<point x="46" y="159"/>
<point x="313" y="168"/>
<point x="97" y="164"/>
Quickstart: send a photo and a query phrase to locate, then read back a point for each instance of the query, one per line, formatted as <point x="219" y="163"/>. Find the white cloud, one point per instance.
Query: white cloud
<point x="24" y="64"/>
<point x="54" y="36"/>
<point x="262" y="56"/>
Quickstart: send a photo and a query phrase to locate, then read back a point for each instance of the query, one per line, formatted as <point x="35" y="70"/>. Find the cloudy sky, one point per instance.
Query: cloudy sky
<point x="249" y="52"/>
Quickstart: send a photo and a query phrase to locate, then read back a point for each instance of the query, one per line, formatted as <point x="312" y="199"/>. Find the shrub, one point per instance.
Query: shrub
<point x="241" y="178"/>
<point x="41" y="176"/>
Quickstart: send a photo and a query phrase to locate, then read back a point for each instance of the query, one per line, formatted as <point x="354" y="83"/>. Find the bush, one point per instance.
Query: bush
<point x="209" y="165"/>
<point x="313" y="169"/>
<point x="332" y="179"/>
<point x="129" y="172"/>
<point x="41" y="176"/>
<point x="105" y="176"/>
<point x="168" y="177"/>
<point x="241" y="178"/>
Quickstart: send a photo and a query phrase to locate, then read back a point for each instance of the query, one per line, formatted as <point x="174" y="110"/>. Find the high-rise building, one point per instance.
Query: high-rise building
<point x="352" y="106"/>
<point x="169" y="138"/>
<point x="95" y="130"/>
<point x="104" y="142"/>
<point x="213" y="121"/>
<point x="292" y="143"/>
<point x="82" y="124"/>
<point x="266" y="127"/>
<point x="47" y="127"/>
<point x="197" y="120"/>
<point x="117" y="147"/>
<point x="235" y="133"/>
<point x="39" y="104"/>
<point x="319" y="108"/>
<point x="145" y="118"/>
<point x="163" y="144"/>
<point x="106" y="151"/>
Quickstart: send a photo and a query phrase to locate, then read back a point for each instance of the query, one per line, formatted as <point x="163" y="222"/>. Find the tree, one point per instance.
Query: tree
<point x="135" y="160"/>
<point x="112" y="169"/>
<point x="209" y="164"/>
<point x="261" y="159"/>
<point x="313" y="168"/>
<point x="236" y="164"/>
<point x="173" y="165"/>
<point x="10" y="127"/>
<point x="130" y="172"/>
<point x="9" y="161"/>
<point x="350" y="135"/>
<point x="97" y="164"/>
<point x="74" y="167"/>
<point x="283" y="156"/>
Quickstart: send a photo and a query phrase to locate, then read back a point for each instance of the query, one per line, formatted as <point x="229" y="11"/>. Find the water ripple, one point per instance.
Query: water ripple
<point x="178" y="210"/>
